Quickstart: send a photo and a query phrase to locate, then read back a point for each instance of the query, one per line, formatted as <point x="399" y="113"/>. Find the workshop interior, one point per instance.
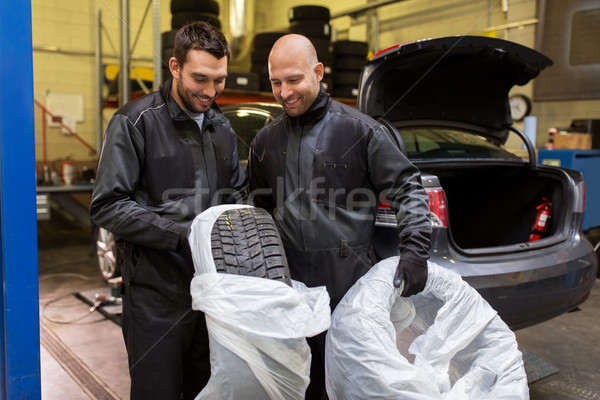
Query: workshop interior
<point x="496" y="102"/>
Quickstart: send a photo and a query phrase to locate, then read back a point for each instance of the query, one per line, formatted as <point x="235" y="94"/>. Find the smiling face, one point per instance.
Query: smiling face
<point x="295" y="74"/>
<point x="199" y="81"/>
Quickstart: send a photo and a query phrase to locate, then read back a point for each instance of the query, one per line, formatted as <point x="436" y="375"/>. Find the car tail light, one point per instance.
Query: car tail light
<point x="384" y="203"/>
<point x="437" y="206"/>
<point x="579" y="206"/>
<point x="385" y="50"/>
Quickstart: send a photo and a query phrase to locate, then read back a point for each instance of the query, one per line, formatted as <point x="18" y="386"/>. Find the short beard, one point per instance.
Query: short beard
<point x="187" y="104"/>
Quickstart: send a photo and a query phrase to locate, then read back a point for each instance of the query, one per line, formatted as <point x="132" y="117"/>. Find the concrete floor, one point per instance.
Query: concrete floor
<point x="83" y="355"/>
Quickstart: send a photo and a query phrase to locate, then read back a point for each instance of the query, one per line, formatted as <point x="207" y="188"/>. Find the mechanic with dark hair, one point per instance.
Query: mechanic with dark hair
<point x="320" y="167"/>
<point x="167" y="157"/>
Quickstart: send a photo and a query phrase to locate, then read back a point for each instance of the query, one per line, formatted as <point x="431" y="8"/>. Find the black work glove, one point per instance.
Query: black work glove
<point x="414" y="275"/>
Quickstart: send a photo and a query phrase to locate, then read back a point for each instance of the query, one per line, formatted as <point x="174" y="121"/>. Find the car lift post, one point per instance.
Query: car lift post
<point x="19" y="301"/>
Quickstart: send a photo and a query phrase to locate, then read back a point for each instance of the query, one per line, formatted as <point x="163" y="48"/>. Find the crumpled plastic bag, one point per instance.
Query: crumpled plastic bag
<point x="257" y="327"/>
<point x="443" y="343"/>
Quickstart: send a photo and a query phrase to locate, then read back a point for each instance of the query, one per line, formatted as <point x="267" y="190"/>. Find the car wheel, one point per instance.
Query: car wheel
<point x="106" y="254"/>
<point x="246" y="242"/>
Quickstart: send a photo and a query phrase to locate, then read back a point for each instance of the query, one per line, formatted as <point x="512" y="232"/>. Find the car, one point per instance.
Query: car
<point x="247" y="119"/>
<point x="445" y="102"/>
<point x="509" y="226"/>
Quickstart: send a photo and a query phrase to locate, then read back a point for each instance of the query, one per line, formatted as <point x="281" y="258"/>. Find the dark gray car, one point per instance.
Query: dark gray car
<point x="446" y="100"/>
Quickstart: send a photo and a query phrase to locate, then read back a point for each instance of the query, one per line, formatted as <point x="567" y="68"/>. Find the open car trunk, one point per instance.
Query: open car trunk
<point x="497" y="205"/>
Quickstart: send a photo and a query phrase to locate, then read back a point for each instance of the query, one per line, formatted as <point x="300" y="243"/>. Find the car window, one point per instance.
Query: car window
<point x="246" y="124"/>
<point x="432" y="143"/>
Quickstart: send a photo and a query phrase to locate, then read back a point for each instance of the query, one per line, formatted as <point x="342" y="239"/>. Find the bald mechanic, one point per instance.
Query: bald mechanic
<point x="320" y="167"/>
<point x="166" y="158"/>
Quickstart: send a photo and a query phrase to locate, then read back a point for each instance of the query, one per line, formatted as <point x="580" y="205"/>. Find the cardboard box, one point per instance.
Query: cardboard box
<point x="574" y="141"/>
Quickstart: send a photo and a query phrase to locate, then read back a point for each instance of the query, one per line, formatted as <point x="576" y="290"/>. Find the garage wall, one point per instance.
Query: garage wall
<point x="63" y="35"/>
<point x="407" y="20"/>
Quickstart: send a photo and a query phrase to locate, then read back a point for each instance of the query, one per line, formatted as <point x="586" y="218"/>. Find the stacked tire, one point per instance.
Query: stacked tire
<point x="313" y="22"/>
<point x="167" y="42"/>
<point x="348" y="59"/>
<point x="261" y="47"/>
<point x="182" y="13"/>
<point x="185" y="11"/>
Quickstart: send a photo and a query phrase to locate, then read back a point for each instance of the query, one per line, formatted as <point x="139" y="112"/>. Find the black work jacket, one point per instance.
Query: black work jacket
<point x="145" y="186"/>
<point x="354" y="159"/>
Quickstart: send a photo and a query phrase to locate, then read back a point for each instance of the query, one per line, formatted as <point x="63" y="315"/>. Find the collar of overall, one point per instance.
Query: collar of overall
<point x="316" y="111"/>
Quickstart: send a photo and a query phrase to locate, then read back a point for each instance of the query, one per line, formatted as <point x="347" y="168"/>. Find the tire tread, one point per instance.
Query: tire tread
<point x="246" y="242"/>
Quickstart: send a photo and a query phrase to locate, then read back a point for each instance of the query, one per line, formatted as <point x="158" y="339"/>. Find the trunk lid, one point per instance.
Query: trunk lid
<point x="463" y="80"/>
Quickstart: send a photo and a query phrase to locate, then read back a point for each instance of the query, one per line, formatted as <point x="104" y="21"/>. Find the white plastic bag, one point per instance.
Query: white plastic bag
<point x="443" y="343"/>
<point x="257" y="327"/>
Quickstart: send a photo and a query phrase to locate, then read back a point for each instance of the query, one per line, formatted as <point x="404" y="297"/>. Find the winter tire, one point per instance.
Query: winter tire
<point x="262" y="69"/>
<point x="208" y="6"/>
<point x="345" y="92"/>
<point x="346" y="78"/>
<point x="350" y="47"/>
<point x="183" y="18"/>
<point x="166" y="55"/>
<point x="266" y="39"/>
<point x="166" y="74"/>
<point x="168" y="39"/>
<point x="322" y="46"/>
<point x="246" y="242"/>
<point x="311" y="29"/>
<point x="327" y="82"/>
<point x="349" y="63"/>
<point x="309" y="13"/>
<point x="260" y="55"/>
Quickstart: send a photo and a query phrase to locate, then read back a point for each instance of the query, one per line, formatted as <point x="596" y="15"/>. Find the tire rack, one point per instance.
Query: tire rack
<point x="157" y="62"/>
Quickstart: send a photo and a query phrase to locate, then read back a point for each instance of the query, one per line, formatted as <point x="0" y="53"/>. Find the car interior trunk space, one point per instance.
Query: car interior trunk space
<point x="489" y="207"/>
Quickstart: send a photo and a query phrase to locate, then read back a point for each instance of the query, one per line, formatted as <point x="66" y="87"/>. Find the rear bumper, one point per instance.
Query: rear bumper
<point x="527" y="304"/>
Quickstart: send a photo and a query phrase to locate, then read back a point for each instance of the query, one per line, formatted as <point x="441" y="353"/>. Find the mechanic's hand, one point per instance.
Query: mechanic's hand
<point x="414" y="276"/>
